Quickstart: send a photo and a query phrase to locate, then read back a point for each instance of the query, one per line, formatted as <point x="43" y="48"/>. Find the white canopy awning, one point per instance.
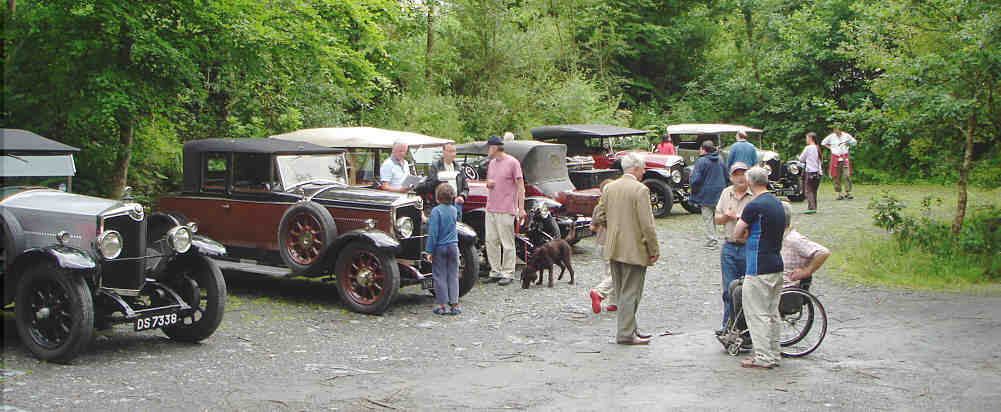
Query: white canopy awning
<point x="364" y="137"/>
<point x="708" y="128"/>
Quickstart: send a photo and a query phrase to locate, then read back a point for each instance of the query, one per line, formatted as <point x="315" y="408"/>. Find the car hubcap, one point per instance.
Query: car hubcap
<point x="364" y="280"/>
<point x="655" y="201"/>
<point x="305" y="239"/>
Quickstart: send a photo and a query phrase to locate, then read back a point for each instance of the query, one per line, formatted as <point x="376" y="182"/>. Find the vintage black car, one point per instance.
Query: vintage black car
<point x="784" y="178"/>
<point x="71" y="263"/>
<point x="285" y="208"/>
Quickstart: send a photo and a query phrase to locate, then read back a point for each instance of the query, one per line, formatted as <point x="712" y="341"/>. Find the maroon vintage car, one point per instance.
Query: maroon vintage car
<point x="547" y="185"/>
<point x="285" y="208"/>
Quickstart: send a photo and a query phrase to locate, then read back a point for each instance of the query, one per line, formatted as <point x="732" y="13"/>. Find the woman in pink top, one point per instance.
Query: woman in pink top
<point x="665" y="146"/>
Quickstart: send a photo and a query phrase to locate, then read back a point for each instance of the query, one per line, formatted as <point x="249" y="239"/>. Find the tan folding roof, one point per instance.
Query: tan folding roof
<point x="366" y="137"/>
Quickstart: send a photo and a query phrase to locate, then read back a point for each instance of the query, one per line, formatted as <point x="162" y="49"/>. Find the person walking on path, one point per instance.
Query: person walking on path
<point x="811" y="179"/>
<point x="728" y="209"/>
<point x="443" y="251"/>
<point x="505" y="202"/>
<point x="742" y="151"/>
<point x="840" y="167"/>
<point x="630" y="244"/>
<point x="666" y="146"/>
<point x="708" y="180"/>
<point x="761" y="227"/>
<point x="605" y="290"/>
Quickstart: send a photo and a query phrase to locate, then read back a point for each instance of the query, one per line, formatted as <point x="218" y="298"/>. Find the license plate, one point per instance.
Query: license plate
<point x="156" y="321"/>
<point x="427" y="283"/>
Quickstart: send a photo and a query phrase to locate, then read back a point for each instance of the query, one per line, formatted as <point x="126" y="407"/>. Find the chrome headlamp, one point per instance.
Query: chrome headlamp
<point x="404" y="227"/>
<point x="793" y="169"/>
<point x="193" y="227"/>
<point x="109" y="243"/>
<point x="676" y="176"/>
<point x="179" y="238"/>
<point x="767" y="169"/>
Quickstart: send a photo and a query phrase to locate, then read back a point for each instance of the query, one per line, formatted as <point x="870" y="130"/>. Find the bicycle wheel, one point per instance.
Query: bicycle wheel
<point x="803" y="330"/>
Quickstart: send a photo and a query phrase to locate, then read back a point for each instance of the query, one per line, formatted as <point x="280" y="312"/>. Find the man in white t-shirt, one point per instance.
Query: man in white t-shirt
<point x="839" y="143"/>
<point x="395" y="169"/>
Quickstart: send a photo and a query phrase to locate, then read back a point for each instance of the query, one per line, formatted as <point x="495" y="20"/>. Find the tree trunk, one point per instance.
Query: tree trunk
<point x="749" y="25"/>
<point x="11" y="5"/>
<point x="430" y="43"/>
<point x="124" y="117"/>
<point x="964" y="173"/>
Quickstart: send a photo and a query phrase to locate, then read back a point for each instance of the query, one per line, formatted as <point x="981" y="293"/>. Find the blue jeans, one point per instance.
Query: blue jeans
<point x="445" y="272"/>
<point x="733" y="265"/>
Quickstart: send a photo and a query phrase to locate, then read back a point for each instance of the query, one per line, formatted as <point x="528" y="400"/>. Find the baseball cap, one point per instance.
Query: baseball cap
<point x="495" y="141"/>
<point x="738" y="166"/>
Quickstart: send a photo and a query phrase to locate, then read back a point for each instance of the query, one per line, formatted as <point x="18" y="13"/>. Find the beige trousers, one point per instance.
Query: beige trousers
<point x="760" y="298"/>
<point x="606" y="289"/>
<point x="500" y="244"/>
<point x="629" y="280"/>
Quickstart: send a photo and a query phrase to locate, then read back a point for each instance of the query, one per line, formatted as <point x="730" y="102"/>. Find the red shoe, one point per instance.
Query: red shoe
<point x="611" y="308"/>
<point x="595" y="302"/>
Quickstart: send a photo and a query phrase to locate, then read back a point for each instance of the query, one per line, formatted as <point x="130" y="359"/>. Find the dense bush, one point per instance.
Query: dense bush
<point x="980" y="237"/>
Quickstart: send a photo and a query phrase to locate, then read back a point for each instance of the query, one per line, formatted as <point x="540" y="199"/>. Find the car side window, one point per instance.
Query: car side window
<point x="252" y="173"/>
<point x="216" y="169"/>
<point x="361" y="168"/>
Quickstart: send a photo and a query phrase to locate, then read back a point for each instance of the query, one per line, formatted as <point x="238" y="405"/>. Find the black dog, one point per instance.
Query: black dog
<point x="553" y="252"/>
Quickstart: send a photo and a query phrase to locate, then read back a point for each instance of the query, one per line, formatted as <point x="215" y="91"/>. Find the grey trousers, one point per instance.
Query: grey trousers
<point x="709" y="223"/>
<point x="760" y="298"/>
<point x="629" y="280"/>
<point x="445" y="272"/>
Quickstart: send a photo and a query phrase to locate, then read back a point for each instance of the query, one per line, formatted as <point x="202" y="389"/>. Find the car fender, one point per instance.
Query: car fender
<point x="64" y="256"/>
<point x="476" y="219"/>
<point x="662" y="174"/>
<point x="206" y="246"/>
<point x="381" y="240"/>
<point x="466" y="233"/>
<point x="13" y="236"/>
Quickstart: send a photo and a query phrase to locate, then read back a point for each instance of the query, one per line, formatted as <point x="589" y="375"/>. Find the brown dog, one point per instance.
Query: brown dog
<point x="553" y="252"/>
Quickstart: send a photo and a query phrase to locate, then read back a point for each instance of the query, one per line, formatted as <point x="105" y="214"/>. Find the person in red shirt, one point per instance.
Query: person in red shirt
<point x="665" y="146"/>
<point x="601" y="160"/>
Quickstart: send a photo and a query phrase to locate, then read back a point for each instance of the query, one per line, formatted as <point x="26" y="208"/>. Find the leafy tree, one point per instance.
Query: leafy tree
<point x="941" y="63"/>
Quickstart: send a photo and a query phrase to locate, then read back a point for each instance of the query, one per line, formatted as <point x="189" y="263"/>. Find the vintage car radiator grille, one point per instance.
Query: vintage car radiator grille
<point x="126" y="272"/>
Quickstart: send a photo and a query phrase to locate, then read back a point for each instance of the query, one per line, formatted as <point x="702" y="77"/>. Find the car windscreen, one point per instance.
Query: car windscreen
<point x="37" y="165"/>
<point x="320" y="169"/>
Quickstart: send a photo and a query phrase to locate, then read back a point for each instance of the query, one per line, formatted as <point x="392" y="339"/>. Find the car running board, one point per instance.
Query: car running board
<point x="253" y="267"/>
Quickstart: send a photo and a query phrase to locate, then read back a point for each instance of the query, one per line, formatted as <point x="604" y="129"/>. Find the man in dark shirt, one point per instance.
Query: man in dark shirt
<point x="762" y="224"/>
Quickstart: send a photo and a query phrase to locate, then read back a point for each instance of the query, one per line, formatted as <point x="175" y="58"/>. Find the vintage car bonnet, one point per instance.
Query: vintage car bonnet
<point x="361" y="137"/>
<point x="194" y="149"/>
<point x="543" y="164"/>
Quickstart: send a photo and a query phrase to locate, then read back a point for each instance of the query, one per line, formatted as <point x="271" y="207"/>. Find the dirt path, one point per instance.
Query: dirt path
<point x="290" y="345"/>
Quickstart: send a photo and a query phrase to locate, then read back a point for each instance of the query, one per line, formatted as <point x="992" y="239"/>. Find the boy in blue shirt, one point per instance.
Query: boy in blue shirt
<point x="443" y="251"/>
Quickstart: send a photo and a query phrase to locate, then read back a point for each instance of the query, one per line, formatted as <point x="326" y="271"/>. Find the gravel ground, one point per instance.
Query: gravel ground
<point x="290" y="345"/>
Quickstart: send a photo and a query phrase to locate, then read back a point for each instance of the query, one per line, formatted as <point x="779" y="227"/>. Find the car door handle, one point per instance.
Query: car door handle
<point x="225" y="206"/>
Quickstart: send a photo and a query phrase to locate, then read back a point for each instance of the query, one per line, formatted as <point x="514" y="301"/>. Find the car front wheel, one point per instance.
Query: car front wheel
<point x="661" y="198"/>
<point x="368" y="279"/>
<point x="55" y="312"/>
<point x="469" y="267"/>
<point x="200" y="283"/>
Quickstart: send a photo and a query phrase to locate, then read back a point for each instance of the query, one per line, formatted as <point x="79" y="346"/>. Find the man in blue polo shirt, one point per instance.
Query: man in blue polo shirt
<point x="762" y="224"/>
<point x="742" y="151"/>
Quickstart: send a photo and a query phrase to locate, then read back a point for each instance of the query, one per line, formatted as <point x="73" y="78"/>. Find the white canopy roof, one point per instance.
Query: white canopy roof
<point x="708" y="128"/>
<point x="369" y="137"/>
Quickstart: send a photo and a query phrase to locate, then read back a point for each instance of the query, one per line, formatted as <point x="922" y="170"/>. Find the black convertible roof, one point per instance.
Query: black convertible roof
<point x="517" y="148"/>
<point x="583" y="130"/>
<point x="251" y="145"/>
<point x="23" y="141"/>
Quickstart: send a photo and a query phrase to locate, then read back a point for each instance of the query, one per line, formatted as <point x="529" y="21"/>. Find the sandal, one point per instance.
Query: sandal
<point x="440" y="311"/>
<point x="455" y="310"/>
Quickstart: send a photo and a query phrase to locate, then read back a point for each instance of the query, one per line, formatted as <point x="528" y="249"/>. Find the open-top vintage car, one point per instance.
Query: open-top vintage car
<point x="547" y="185"/>
<point x="367" y="147"/>
<point x="784" y="178"/>
<point x="285" y="208"/>
<point x="71" y="263"/>
<point x="665" y="175"/>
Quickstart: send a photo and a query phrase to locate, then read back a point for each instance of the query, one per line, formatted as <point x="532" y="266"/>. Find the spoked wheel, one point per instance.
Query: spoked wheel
<point x="304" y="234"/>
<point x="803" y="322"/>
<point x="200" y="283"/>
<point x="661" y="198"/>
<point x="55" y="312"/>
<point x="368" y="280"/>
<point x="469" y="267"/>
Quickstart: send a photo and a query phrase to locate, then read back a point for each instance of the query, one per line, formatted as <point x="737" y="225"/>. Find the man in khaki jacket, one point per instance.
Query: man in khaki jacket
<point x="630" y="243"/>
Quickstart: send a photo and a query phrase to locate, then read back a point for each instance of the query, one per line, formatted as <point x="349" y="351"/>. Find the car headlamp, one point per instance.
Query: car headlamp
<point x="543" y="209"/>
<point x="767" y="169"/>
<point x="193" y="227"/>
<point x="109" y="243"/>
<point x="179" y="238"/>
<point x="676" y="176"/>
<point x="404" y="227"/>
<point x="793" y="169"/>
